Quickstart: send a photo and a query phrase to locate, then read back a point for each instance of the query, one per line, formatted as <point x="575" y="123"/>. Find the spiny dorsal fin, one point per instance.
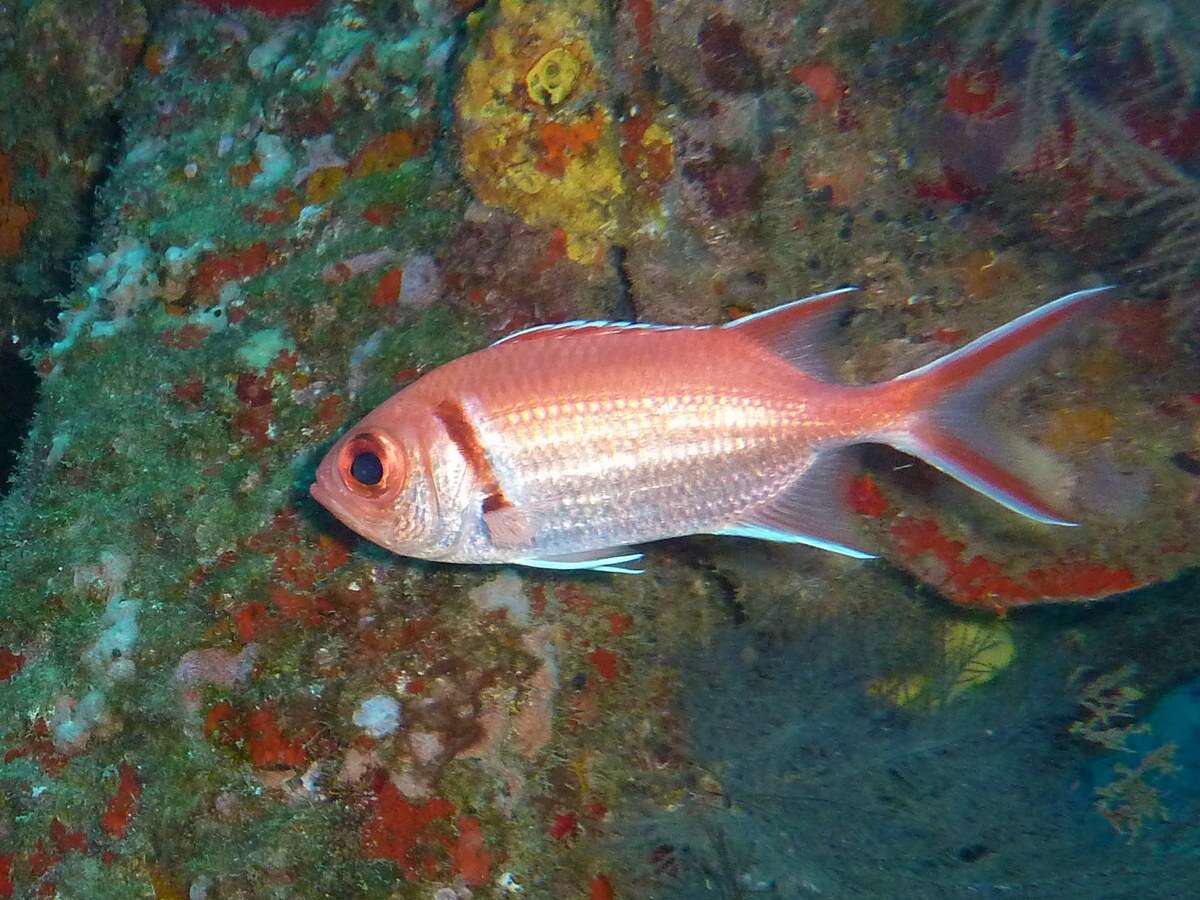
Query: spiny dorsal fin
<point x="792" y="330"/>
<point x="578" y="327"/>
<point x="797" y="331"/>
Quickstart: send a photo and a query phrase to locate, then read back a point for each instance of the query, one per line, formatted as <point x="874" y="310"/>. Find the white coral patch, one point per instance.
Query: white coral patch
<point x="422" y="282"/>
<point x="111" y="657"/>
<point x="274" y="161"/>
<point x="72" y="723"/>
<point x="378" y="715"/>
<point x="506" y="591"/>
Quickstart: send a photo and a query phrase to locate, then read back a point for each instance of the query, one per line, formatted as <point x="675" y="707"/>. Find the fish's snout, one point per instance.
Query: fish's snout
<point x="324" y="489"/>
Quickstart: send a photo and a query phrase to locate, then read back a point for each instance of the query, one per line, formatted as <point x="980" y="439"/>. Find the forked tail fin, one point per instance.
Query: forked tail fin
<point x="950" y="393"/>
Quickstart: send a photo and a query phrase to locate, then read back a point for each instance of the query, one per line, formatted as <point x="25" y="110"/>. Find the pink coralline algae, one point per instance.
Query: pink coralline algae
<point x="276" y="9"/>
<point x="215" y="666"/>
<point x="268" y="746"/>
<point x="397" y="829"/>
<point x="469" y="855"/>
<point x="979" y="581"/>
<point x="10" y="663"/>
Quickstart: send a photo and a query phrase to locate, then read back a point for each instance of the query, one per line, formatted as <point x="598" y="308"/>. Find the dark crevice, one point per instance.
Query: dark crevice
<point x="109" y="137"/>
<point x="624" y="309"/>
<point x="448" y="88"/>
<point x="729" y="596"/>
<point x="30" y="327"/>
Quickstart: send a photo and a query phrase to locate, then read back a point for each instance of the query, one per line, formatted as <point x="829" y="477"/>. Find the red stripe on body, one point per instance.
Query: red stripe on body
<point x="460" y="430"/>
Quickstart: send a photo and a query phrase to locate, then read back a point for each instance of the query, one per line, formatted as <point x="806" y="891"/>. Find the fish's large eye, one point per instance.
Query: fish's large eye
<point x="370" y="464"/>
<point x="366" y="467"/>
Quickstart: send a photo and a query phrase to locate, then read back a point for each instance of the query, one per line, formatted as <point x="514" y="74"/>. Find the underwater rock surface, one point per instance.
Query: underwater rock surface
<point x="208" y="688"/>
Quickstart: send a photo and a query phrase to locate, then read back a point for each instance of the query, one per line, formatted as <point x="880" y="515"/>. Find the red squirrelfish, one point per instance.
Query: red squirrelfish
<point x="562" y="445"/>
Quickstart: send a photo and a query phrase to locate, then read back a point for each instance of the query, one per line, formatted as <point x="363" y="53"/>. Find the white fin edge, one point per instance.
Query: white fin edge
<point x="574" y="324"/>
<point x="915" y="447"/>
<point x="613" y="564"/>
<point x="786" y="537"/>
<point x="619" y="570"/>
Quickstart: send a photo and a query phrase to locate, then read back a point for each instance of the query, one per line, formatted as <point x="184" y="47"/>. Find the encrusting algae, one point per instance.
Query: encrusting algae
<point x="538" y="133"/>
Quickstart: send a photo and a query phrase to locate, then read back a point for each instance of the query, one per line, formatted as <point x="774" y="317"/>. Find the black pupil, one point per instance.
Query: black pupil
<point x="367" y="468"/>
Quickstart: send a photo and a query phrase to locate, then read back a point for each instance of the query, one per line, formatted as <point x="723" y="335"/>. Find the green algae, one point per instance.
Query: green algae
<point x="263" y="346"/>
<point x="154" y="495"/>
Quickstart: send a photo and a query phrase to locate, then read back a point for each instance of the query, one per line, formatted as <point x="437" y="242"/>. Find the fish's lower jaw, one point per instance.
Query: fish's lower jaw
<point x="328" y="498"/>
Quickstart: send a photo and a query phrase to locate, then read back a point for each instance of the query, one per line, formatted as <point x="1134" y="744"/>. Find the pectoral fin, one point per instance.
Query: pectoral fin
<point x="508" y="526"/>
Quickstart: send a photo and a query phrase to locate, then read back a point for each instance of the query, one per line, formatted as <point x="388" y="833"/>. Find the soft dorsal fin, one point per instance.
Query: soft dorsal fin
<point x="579" y="327"/>
<point x="797" y="331"/>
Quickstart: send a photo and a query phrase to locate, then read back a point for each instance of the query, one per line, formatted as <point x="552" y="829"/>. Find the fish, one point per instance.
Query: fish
<point x="565" y="446"/>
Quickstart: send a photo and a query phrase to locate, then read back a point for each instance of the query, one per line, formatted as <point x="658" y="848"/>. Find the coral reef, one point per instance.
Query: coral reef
<point x="77" y="59"/>
<point x="256" y="219"/>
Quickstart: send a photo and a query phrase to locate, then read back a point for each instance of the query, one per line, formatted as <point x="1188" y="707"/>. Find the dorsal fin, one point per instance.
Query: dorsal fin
<point x="562" y="329"/>
<point x="793" y="330"/>
<point x="797" y="331"/>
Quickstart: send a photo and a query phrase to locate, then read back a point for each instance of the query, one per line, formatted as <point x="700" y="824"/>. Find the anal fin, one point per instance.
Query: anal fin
<point x="605" y="559"/>
<point x="813" y="509"/>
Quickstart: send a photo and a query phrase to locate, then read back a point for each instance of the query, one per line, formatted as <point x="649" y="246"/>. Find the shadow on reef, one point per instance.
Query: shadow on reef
<point x="55" y="157"/>
<point x="807" y="783"/>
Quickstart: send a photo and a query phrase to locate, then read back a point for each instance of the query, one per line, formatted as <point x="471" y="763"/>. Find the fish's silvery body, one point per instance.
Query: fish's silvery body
<point x="563" y="445"/>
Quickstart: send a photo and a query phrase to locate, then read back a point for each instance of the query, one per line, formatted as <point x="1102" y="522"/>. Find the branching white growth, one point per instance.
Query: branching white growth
<point x="1160" y="30"/>
<point x="1066" y="116"/>
<point x="1174" y="259"/>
